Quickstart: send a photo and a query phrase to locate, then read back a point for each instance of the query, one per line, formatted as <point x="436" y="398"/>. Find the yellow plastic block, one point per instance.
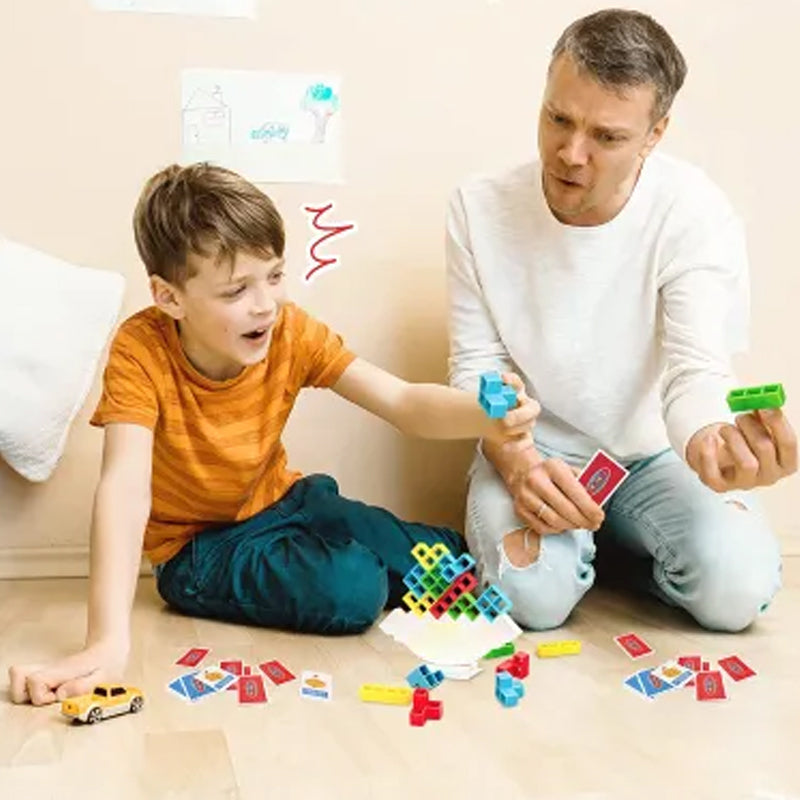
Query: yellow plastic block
<point x="391" y="695"/>
<point x="440" y="549"/>
<point x="567" y="647"/>
<point x="427" y="557"/>
<point x="418" y="605"/>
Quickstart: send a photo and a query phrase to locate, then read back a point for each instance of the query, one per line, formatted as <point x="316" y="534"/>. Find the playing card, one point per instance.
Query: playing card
<point x="673" y="673"/>
<point x="235" y="668"/>
<point x="251" y="689"/>
<point x="633" y="682"/>
<point x="602" y="476"/>
<point x="736" y="668"/>
<point x="177" y="687"/>
<point x="193" y="657"/>
<point x="652" y="684"/>
<point x="194" y="687"/>
<point x="693" y="663"/>
<point x="216" y="677"/>
<point x="710" y="686"/>
<point x="276" y="672"/>
<point x="316" y="686"/>
<point x="633" y="645"/>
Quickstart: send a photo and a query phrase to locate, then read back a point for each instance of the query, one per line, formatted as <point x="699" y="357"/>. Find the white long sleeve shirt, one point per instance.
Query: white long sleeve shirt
<point x="622" y="331"/>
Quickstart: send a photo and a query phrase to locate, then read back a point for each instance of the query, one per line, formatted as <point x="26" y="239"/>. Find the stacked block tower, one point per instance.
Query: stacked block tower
<point x="441" y="584"/>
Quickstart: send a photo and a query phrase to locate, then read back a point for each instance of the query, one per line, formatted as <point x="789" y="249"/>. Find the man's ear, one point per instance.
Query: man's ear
<point x="654" y="137"/>
<point x="167" y="297"/>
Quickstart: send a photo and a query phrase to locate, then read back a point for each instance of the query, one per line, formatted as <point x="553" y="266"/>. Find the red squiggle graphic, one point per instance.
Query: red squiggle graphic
<point x="330" y="232"/>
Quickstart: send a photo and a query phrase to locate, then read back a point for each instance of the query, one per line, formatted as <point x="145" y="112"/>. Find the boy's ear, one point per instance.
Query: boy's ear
<point x="167" y="297"/>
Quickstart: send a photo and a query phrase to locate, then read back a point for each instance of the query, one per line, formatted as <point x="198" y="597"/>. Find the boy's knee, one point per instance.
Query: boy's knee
<point x="357" y="591"/>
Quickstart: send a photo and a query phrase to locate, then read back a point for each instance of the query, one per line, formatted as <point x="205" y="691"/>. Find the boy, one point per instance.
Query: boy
<point x="196" y="392"/>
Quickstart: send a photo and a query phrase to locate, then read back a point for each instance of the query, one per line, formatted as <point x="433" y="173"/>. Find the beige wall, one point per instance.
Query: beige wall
<point x="433" y="90"/>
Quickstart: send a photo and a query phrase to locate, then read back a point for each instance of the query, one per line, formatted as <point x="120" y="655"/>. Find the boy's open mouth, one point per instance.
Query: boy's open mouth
<point x="258" y="333"/>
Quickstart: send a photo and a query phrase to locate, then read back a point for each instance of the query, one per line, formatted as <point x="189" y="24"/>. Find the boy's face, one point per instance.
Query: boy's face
<point x="225" y="316"/>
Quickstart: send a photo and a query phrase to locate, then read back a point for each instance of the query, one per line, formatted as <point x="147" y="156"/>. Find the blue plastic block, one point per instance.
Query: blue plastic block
<point x="456" y="566"/>
<point x="494" y="405"/>
<point x="510" y="396"/>
<point x="491" y="383"/>
<point x="508" y="689"/>
<point x="412" y="580"/>
<point x="493" y="603"/>
<point x="423" y="677"/>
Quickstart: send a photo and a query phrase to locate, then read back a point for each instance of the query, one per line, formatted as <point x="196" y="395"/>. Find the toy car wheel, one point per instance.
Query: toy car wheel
<point x="95" y="715"/>
<point x="136" y="704"/>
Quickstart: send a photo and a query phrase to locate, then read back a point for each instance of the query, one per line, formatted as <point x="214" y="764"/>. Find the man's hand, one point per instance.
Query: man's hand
<point x="74" y="675"/>
<point x="758" y="451"/>
<point x="549" y="498"/>
<point x="514" y="431"/>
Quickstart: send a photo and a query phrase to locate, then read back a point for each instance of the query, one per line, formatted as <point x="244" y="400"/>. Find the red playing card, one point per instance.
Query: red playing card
<point x="235" y="668"/>
<point x="276" y="672"/>
<point x="691" y="662"/>
<point x="251" y="689"/>
<point x="736" y="668"/>
<point x="633" y="645"/>
<point x="193" y="657"/>
<point x="710" y="686"/>
<point x="602" y="476"/>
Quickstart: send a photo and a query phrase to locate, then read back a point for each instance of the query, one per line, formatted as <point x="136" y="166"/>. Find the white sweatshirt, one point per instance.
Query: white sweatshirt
<point x="622" y="331"/>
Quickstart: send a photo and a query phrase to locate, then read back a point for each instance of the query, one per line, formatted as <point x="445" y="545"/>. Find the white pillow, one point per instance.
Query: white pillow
<point x="55" y="320"/>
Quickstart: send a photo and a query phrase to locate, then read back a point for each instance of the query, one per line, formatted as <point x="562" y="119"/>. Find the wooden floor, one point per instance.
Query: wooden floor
<point x="578" y="732"/>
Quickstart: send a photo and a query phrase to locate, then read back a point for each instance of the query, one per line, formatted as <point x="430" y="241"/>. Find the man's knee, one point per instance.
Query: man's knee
<point x="545" y="592"/>
<point x="732" y="592"/>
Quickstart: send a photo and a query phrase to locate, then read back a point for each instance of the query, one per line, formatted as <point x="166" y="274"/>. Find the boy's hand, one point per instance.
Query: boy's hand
<point x="74" y="675"/>
<point x="514" y="430"/>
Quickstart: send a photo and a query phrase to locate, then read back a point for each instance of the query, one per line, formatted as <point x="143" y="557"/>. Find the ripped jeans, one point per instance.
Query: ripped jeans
<point x="713" y="555"/>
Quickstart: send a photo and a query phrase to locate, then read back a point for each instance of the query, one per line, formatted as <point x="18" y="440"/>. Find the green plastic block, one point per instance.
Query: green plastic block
<point x="464" y="605"/>
<point x="504" y="650"/>
<point x="751" y="398"/>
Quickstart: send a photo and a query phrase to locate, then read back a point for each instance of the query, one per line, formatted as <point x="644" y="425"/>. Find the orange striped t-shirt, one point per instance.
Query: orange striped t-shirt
<point x="217" y="451"/>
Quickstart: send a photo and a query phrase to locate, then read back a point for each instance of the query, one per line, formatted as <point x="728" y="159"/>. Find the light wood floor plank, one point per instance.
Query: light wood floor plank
<point x="577" y="734"/>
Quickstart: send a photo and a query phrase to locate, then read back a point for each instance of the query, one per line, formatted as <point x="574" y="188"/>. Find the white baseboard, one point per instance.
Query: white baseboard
<point x="49" y="562"/>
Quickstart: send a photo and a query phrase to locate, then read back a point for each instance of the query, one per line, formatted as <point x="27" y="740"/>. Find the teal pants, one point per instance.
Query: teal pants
<point x="314" y="561"/>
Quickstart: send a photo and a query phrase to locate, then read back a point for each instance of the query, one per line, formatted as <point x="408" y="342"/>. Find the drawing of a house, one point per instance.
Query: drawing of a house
<point x="206" y="118"/>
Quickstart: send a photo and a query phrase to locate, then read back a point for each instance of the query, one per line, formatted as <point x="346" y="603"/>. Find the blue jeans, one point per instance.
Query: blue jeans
<point x="713" y="555"/>
<point x="313" y="561"/>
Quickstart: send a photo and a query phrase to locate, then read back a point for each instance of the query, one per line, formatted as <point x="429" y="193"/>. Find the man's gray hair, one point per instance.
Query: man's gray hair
<point x="620" y="48"/>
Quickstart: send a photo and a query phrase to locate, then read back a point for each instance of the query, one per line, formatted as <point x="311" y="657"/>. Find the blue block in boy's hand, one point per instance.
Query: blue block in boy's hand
<point x="491" y="383"/>
<point x="496" y="398"/>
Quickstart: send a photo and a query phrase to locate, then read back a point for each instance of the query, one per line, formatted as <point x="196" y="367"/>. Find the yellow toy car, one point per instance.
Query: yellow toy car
<point x="107" y="700"/>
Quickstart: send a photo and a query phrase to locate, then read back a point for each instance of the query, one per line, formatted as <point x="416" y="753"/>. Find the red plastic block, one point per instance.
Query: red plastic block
<point x="423" y="708"/>
<point x="460" y="586"/>
<point x="519" y="665"/>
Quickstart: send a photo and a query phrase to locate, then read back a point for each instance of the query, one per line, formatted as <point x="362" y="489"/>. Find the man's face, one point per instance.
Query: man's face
<point x="592" y="142"/>
<point x="226" y="316"/>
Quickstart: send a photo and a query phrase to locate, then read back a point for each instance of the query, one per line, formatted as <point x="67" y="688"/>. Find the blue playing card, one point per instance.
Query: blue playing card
<point x="194" y="687"/>
<point x="177" y="687"/>
<point x="651" y="684"/>
<point x="634" y="683"/>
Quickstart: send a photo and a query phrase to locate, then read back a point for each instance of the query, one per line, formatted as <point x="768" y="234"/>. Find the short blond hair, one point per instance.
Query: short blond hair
<point x="203" y="210"/>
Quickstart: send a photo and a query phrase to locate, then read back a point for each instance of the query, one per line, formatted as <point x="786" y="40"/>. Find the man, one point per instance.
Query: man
<point x="614" y="280"/>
